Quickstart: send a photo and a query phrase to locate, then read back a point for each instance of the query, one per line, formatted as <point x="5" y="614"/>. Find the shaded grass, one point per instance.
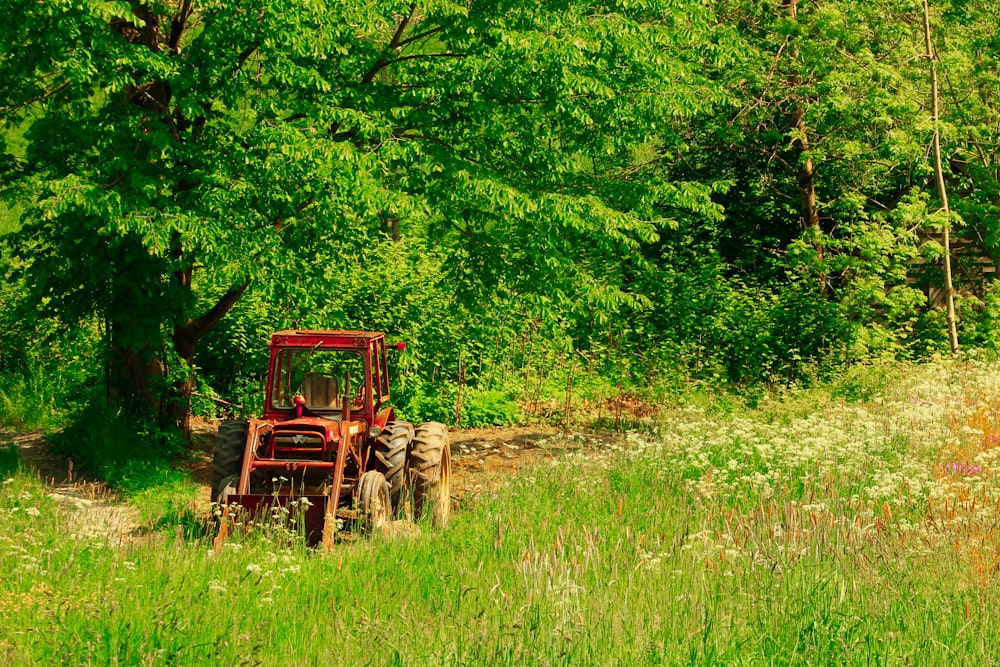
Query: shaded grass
<point x="130" y="454"/>
<point x="10" y="462"/>
<point x="635" y="553"/>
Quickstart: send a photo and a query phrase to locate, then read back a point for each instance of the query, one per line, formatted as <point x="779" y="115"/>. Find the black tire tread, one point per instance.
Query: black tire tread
<point x="390" y="457"/>
<point x="227" y="455"/>
<point x="430" y="457"/>
<point x="372" y="485"/>
<point x="231" y="482"/>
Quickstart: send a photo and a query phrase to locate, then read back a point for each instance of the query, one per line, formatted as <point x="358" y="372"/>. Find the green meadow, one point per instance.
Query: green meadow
<point x="854" y="524"/>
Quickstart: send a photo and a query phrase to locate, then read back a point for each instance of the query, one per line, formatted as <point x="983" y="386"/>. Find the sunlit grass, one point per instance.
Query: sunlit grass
<point x="813" y="530"/>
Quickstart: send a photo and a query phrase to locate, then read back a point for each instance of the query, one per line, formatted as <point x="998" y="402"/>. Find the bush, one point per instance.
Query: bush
<point x="488" y="408"/>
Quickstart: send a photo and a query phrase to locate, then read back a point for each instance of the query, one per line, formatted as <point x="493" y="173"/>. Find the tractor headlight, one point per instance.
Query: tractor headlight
<point x="374" y="431"/>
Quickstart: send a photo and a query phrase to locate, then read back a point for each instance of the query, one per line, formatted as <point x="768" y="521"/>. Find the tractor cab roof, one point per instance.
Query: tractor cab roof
<point x="337" y="338"/>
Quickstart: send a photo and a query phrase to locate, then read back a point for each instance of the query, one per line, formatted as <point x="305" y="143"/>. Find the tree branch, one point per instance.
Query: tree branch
<point x="383" y="62"/>
<point x="201" y="325"/>
<point x="415" y="56"/>
<point x="26" y="103"/>
<point x="247" y="52"/>
<point x="178" y="25"/>
<point x="417" y="38"/>
<point x="279" y="223"/>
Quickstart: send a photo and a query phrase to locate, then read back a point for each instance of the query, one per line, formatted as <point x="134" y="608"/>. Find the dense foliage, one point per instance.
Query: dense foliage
<point x="546" y="201"/>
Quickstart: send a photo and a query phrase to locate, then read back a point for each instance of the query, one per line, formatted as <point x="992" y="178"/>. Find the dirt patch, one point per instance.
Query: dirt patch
<point x="483" y="459"/>
<point x="96" y="511"/>
<point x="479" y="456"/>
<point x="203" y="433"/>
<point x="37" y="455"/>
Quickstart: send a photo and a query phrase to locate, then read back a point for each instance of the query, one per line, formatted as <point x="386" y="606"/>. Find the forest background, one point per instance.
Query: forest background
<point x="554" y="204"/>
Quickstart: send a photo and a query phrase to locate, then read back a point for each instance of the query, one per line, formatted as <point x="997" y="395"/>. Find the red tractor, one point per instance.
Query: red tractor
<point x="329" y="444"/>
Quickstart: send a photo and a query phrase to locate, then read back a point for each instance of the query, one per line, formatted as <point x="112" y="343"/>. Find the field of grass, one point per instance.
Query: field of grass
<point x="855" y="524"/>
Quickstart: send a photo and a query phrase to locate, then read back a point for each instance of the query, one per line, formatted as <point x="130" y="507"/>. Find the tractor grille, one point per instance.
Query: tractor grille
<point x="288" y="443"/>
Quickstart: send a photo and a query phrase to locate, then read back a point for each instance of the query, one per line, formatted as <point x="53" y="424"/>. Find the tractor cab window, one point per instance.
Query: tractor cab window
<point x="320" y="376"/>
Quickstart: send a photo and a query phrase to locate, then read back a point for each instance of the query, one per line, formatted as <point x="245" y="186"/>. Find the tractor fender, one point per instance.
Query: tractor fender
<point x="383" y="417"/>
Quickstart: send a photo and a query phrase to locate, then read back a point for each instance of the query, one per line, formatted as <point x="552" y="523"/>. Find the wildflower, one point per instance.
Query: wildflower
<point x="962" y="469"/>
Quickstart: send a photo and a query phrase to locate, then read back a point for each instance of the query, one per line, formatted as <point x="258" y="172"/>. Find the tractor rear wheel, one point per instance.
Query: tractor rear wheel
<point x="227" y="456"/>
<point x="428" y="467"/>
<point x="390" y="458"/>
<point x="373" y="501"/>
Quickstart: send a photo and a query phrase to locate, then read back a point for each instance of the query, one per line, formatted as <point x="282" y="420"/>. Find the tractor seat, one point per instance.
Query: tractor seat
<point x="321" y="392"/>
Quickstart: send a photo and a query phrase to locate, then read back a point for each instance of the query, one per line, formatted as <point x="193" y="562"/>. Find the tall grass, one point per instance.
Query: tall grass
<point x="812" y="530"/>
<point x="35" y="398"/>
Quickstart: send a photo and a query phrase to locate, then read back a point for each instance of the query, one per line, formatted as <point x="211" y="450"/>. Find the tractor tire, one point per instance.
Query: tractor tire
<point x="227" y="456"/>
<point x="227" y="487"/>
<point x="373" y="501"/>
<point x="390" y="459"/>
<point x="428" y="466"/>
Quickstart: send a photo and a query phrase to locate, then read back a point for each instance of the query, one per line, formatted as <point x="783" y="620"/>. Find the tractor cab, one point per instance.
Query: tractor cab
<point x="313" y="372"/>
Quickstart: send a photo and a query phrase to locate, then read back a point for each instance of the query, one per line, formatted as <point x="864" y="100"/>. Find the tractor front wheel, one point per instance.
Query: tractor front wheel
<point x="227" y="456"/>
<point x="429" y="471"/>
<point x="228" y="487"/>
<point x="390" y="458"/>
<point x="373" y="501"/>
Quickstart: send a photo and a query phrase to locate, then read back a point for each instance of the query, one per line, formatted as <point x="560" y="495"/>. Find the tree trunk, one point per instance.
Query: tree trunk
<point x="139" y="374"/>
<point x="942" y="192"/>
<point x="805" y="172"/>
<point x="806" y="177"/>
<point x="133" y="370"/>
<point x="175" y="409"/>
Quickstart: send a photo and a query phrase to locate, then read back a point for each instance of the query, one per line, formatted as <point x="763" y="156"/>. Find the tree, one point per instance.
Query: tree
<point x="181" y="152"/>
<point x="824" y="137"/>
<point x="939" y="180"/>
